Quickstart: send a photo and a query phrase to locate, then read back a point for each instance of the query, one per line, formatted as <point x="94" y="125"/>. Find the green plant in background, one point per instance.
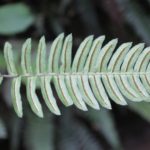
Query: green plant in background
<point x="15" y="18"/>
<point x="74" y="129"/>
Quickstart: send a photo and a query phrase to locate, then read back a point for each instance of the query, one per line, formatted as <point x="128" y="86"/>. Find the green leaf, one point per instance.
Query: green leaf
<point x="117" y="58"/>
<point x="61" y="88"/>
<point x="3" y="132"/>
<point x="142" y="108"/>
<point x="9" y="59"/>
<point x="104" y="56"/>
<point x="32" y="97"/>
<point x="137" y="18"/>
<point x="15" y="18"/>
<point x="105" y="123"/>
<point x="39" y="133"/>
<point x="48" y="95"/>
<point x="99" y="91"/>
<point x="71" y="84"/>
<point x="41" y="56"/>
<point x="15" y="128"/>
<point x="86" y="92"/>
<point x="55" y="51"/>
<point x="16" y="96"/>
<point x="2" y="62"/>
<point x="113" y="89"/>
<point x="26" y="57"/>
<point x="93" y="54"/>
<point x="1" y="79"/>
<point x="81" y="54"/>
<point x="66" y="56"/>
<point x="73" y="135"/>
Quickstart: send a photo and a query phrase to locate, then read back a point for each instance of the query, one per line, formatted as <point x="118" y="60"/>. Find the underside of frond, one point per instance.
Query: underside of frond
<point x="96" y="75"/>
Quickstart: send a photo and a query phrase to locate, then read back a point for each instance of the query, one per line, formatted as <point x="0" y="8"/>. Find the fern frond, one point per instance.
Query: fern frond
<point x="97" y="74"/>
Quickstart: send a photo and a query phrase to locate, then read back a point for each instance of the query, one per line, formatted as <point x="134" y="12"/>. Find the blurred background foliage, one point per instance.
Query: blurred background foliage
<point x="125" y="128"/>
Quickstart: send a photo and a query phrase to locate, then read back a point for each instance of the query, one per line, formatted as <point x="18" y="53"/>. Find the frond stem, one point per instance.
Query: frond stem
<point x="74" y="74"/>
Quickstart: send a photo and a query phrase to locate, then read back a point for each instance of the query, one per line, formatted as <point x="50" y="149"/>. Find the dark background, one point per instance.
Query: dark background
<point x="125" y="128"/>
